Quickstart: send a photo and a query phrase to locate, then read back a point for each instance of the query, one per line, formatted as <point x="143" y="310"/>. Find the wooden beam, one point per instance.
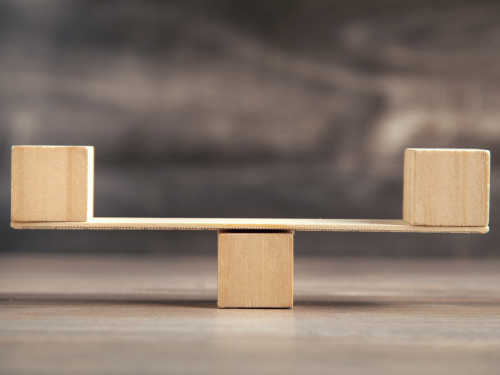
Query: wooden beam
<point x="335" y="225"/>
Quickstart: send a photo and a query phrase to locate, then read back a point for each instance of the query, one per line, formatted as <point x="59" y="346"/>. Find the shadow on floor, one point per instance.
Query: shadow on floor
<point x="61" y="299"/>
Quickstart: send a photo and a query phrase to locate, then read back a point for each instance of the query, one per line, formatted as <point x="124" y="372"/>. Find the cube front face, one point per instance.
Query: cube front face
<point x="52" y="183"/>
<point x="446" y="187"/>
<point x="255" y="270"/>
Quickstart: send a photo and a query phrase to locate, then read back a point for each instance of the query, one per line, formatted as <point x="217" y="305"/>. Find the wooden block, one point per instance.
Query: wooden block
<point x="446" y="187"/>
<point x="52" y="183"/>
<point x="255" y="269"/>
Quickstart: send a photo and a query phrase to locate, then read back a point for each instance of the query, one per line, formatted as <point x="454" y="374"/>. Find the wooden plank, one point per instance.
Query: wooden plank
<point x="52" y="183"/>
<point x="448" y="187"/>
<point x="255" y="270"/>
<point x="337" y="225"/>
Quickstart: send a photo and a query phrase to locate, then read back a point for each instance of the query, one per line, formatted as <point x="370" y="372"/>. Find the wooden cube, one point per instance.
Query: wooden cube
<point x="446" y="187"/>
<point x="255" y="269"/>
<point x="52" y="183"/>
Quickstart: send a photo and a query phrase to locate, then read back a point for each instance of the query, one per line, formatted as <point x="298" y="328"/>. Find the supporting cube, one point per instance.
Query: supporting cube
<point x="255" y="269"/>
<point x="52" y="183"/>
<point x="446" y="187"/>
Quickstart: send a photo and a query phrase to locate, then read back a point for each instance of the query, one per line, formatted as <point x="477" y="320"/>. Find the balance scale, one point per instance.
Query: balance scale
<point x="445" y="191"/>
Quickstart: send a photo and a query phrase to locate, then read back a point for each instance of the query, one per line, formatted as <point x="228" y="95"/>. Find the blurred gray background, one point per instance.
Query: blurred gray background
<point x="218" y="108"/>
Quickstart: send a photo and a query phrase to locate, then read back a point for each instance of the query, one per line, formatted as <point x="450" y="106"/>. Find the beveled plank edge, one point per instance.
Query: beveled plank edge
<point x="373" y="226"/>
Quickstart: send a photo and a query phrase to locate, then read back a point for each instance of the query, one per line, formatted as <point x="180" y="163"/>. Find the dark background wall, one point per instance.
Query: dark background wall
<point x="218" y="108"/>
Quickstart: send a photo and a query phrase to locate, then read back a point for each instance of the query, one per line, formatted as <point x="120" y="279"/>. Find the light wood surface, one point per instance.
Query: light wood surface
<point x="338" y="225"/>
<point x="159" y="315"/>
<point x="446" y="187"/>
<point x="255" y="270"/>
<point x="52" y="183"/>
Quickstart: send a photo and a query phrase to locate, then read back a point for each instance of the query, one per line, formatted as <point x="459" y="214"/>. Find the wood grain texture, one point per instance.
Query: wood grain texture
<point x="52" y="183"/>
<point x="255" y="270"/>
<point x="336" y="225"/>
<point x="67" y="314"/>
<point x="446" y="187"/>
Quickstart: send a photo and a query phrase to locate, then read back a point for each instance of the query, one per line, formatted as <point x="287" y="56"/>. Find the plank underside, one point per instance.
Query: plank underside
<point x="335" y="225"/>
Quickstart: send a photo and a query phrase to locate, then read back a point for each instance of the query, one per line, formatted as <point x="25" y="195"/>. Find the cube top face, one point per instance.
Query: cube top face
<point x="52" y="183"/>
<point x="255" y="270"/>
<point x="446" y="187"/>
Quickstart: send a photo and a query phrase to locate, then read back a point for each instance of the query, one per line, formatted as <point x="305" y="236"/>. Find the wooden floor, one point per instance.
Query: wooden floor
<point x="126" y="315"/>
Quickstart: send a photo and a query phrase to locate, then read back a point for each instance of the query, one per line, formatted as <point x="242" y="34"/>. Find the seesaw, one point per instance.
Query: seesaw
<point x="445" y="191"/>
